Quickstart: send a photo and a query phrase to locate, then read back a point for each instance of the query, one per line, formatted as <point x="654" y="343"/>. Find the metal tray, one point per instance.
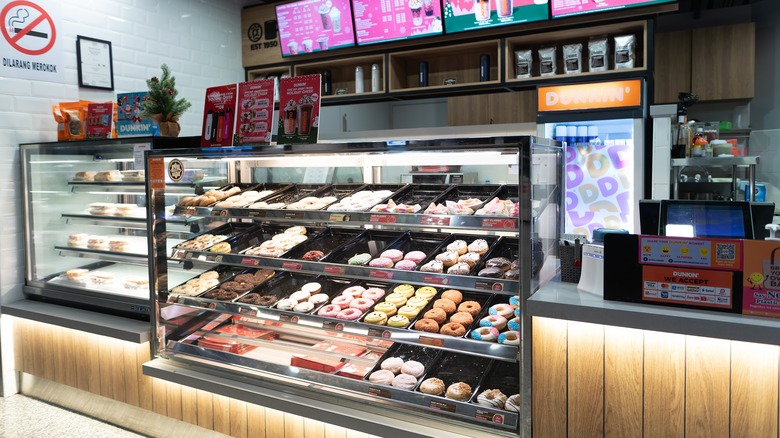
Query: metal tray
<point x="326" y="241"/>
<point x="482" y="299"/>
<point x="484" y="192"/>
<point x="426" y="356"/>
<point x="429" y="243"/>
<point x="372" y="242"/>
<point x="420" y="194"/>
<point x="507" y="247"/>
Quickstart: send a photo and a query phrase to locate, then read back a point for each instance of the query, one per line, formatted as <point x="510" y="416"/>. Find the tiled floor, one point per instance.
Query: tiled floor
<point x="25" y="417"/>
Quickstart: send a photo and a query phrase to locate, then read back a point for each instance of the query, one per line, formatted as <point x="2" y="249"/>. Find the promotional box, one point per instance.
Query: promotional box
<point x="218" y="116"/>
<point x="129" y="121"/>
<point x="99" y="118"/>
<point x="761" y="279"/>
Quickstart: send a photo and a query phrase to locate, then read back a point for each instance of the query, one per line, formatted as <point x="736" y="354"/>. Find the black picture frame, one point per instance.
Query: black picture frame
<point x="95" y="63"/>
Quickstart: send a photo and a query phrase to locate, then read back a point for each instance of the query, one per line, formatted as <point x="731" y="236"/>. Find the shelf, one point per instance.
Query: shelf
<point x="715" y="161"/>
<point x="406" y="336"/>
<point x="342" y="73"/>
<point x="108" y="221"/>
<point x="563" y="301"/>
<point x="136" y="255"/>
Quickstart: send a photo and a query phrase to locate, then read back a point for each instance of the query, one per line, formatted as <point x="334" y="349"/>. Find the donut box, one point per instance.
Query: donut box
<point x="501" y="376"/>
<point x="371" y="242"/>
<point x="480" y="299"/>
<point x="413" y="198"/>
<point x="399" y="251"/>
<point x="325" y="241"/>
<point x="453" y="369"/>
<point x="406" y="353"/>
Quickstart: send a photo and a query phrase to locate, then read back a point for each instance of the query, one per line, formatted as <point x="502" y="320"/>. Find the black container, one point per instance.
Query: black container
<point x="426" y="356"/>
<point x="331" y="286"/>
<point x="226" y="273"/>
<point x="326" y="241"/>
<point x="372" y="242"/>
<point x="276" y="187"/>
<point x="482" y="298"/>
<point x="483" y="192"/>
<point x="429" y="243"/>
<point x="394" y="188"/>
<point x="337" y="191"/>
<point x="266" y="232"/>
<point x="491" y="240"/>
<point x="452" y="368"/>
<point x="506" y="247"/>
<point x="494" y="300"/>
<point x="232" y="230"/>
<point x="296" y="193"/>
<point x="421" y="194"/>
<point x="504" y="376"/>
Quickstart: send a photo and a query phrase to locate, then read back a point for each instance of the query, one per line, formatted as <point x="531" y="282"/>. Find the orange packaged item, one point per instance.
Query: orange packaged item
<point x="74" y="115"/>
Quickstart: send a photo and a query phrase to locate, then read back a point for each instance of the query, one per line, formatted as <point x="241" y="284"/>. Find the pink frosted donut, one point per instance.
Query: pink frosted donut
<point x="361" y="304"/>
<point x="405" y="265"/>
<point x="485" y="334"/>
<point x="354" y="291"/>
<point x="331" y="311"/>
<point x="342" y="301"/>
<point x="381" y="262"/>
<point x="374" y="293"/>
<point x="393" y="254"/>
<point x="415" y="256"/>
<point x="350" y="314"/>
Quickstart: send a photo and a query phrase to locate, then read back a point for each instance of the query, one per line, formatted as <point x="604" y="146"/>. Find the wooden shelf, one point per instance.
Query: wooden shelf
<point x="342" y="73"/>
<point x="263" y="73"/>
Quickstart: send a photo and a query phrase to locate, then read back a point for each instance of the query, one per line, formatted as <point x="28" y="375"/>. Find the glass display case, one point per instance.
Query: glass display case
<point x="85" y="222"/>
<point x="320" y="275"/>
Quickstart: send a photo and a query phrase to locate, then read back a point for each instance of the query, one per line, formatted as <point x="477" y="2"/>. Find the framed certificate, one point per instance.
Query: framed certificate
<point x="94" y="63"/>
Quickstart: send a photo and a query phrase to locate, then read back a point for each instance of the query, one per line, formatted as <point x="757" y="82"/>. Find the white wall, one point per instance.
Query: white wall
<point x="199" y="40"/>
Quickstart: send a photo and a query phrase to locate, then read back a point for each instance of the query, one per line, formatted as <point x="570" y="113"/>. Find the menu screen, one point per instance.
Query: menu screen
<point x="378" y="21"/>
<point x="308" y="26"/>
<point x="565" y="8"/>
<point x="462" y="15"/>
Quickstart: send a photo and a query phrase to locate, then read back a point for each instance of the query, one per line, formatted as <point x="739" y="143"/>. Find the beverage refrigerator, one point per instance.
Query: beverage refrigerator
<point x="604" y="134"/>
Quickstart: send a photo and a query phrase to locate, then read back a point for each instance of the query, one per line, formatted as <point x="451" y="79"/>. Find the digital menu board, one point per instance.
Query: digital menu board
<point x="462" y="15"/>
<point x="308" y="26"/>
<point x="378" y="21"/>
<point x="566" y="8"/>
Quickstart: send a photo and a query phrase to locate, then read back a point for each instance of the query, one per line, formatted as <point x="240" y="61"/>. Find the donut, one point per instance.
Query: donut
<point x="300" y="296"/>
<point x="396" y="298"/>
<point x="470" y="258"/>
<point x="458" y="246"/>
<point x="510" y="337"/>
<point x="388" y="309"/>
<point x="517" y="312"/>
<point x="342" y="301"/>
<point x="471" y="307"/>
<point x="381" y="262"/>
<point x="479" y="246"/>
<point x="493" y="398"/>
<point x="513" y="403"/>
<point x="304" y="307"/>
<point x="392" y="254"/>
<point x="408" y="311"/>
<point x="417" y="302"/>
<point x="318" y="299"/>
<point x="453" y="329"/>
<point x="444" y="304"/>
<point x="374" y="293"/>
<point x="354" y="291"/>
<point x="331" y="310"/>
<point x="426" y="292"/>
<point x="209" y="275"/>
<point x="245" y="278"/>
<point x="459" y="391"/>
<point x="501" y="263"/>
<point x="497" y="321"/>
<point x="433" y="266"/>
<point x="413" y="368"/>
<point x="296" y="230"/>
<point x="447" y="258"/>
<point x="398" y="321"/>
<point x="286" y="304"/>
<point x="407" y="290"/>
<point x="427" y="325"/>
<point x="432" y="386"/>
<point x="267" y="300"/>
<point x="405" y="265"/>
<point x="436" y="314"/>
<point x="512" y="274"/>
<point x="490" y="273"/>
<point x="514" y="324"/>
<point x="459" y="269"/>
<point x="313" y="256"/>
<point x="405" y="381"/>
<point x="381" y="376"/>
<point x="485" y="334"/>
<point x="377" y="318"/>
<point x="312" y="288"/>
<point x="514" y="301"/>
<point x="463" y="319"/>
<point x="359" y="259"/>
<point x="454" y="295"/>
<point x="415" y="256"/>
<point x="349" y="314"/>
<point x="361" y="304"/>
<point x="392" y="364"/>
<point x="504" y="310"/>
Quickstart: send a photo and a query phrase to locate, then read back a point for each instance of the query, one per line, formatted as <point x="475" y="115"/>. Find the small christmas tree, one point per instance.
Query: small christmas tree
<point x="161" y="104"/>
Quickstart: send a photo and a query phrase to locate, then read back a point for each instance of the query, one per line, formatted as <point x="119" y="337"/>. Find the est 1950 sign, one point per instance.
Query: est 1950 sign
<point x="30" y="46"/>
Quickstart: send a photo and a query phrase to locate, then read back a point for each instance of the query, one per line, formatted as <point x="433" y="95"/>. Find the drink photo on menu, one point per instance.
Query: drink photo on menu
<point x="464" y="15"/>
<point x="311" y="26"/>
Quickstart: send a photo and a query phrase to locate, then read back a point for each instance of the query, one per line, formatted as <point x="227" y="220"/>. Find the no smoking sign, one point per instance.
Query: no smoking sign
<point x="30" y="41"/>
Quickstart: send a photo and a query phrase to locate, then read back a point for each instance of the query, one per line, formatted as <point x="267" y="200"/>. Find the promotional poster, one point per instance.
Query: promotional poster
<point x="299" y="109"/>
<point x="377" y="22"/>
<point x="463" y="15"/>
<point x="565" y="8"/>
<point x="99" y="117"/>
<point x="219" y="116"/>
<point x="255" y="112"/>
<point x="308" y="26"/>
<point x="129" y="121"/>
<point x="761" y="279"/>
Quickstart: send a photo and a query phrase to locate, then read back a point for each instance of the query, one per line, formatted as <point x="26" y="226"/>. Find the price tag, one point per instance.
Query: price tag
<point x="379" y="333"/>
<point x="245" y="311"/>
<point x="484" y="415"/>
<point x="293" y="266"/>
<point x="382" y="218"/>
<point x="484" y="285"/>
<point x="441" y="406"/>
<point x="247" y="261"/>
<point x="219" y="212"/>
<point x="379" y="392"/>
<point x="435" y="221"/>
<point x="492" y="223"/>
<point x="335" y="270"/>
<point x="433" y="342"/>
<point x="387" y="275"/>
<point x="339" y="217"/>
<point x="436" y="280"/>
<point x="297" y="215"/>
<point x="256" y="213"/>
<point x="333" y="325"/>
<point x="288" y="318"/>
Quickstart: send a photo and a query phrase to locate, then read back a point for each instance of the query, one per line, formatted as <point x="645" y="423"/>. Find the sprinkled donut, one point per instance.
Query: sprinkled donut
<point x="485" y="334"/>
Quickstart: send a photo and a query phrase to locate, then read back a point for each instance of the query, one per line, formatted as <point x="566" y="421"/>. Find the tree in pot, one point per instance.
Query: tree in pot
<point x="161" y="104"/>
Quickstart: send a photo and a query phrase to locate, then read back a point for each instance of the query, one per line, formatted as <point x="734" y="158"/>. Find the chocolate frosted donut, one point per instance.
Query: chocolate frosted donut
<point x="261" y="275"/>
<point x="246" y="278"/>
<point x="221" y="294"/>
<point x="257" y="299"/>
<point x="501" y="263"/>
<point x="491" y="273"/>
<point x="237" y="286"/>
<point x="512" y="274"/>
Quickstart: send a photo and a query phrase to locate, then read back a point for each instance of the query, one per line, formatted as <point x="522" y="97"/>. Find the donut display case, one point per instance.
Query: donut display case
<point x="406" y="319"/>
<point x="86" y="222"/>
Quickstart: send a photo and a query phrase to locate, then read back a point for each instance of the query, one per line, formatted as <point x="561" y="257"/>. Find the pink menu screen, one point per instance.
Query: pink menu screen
<point x="565" y="8"/>
<point x="309" y="26"/>
<point x="378" y="21"/>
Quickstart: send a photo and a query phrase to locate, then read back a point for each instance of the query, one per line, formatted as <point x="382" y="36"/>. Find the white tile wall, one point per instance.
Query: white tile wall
<point x="199" y="39"/>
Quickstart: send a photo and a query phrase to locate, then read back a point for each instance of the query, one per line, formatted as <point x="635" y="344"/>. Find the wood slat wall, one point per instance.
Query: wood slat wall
<point x="633" y="383"/>
<point x="111" y="368"/>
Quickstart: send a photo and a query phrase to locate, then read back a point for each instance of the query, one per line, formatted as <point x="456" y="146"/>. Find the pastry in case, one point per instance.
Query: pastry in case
<point x="84" y="176"/>
<point x="108" y="176"/>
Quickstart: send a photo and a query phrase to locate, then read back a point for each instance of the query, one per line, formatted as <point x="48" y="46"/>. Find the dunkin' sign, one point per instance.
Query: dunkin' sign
<point x="599" y="95"/>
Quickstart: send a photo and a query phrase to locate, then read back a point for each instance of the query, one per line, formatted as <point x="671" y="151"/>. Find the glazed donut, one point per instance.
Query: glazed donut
<point x="444" y="304"/>
<point x="453" y="329"/>
<point x="497" y="321"/>
<point x="454" y="295"/>
<point x="381" y="262"/>
<point x="463" y="319"/>
<point x="510" y="337"/>
<point x="413" y="368"/>
<point x="342" y="301"/>
<point x="479" y="246"/>
<point x="304" y="307"/>
<point x="392" y="364"/>
<point x="349" y="314"/>
<point x="405" y="265"/>
<point x="504" y="310"/>
<point x="417" y="302"/>
<point x="514" y="324"/>
<point x="354" y="291"/>
<point x="515" y="301"/>
<point x="426" y="292"/>
<point x="407" y="290"/>
<point x="388" y="309"/>
<point x="361" y="304"/>
<point x="458" y="246"/>
<point x="398" y="321"/>
<point x="436" y="314"/>
<point x="381" y="376"/>
<point x="396" y="298"/>
<point x="392" y="254"/>
<point x="470" y="258"/>
<point x="459" y="391"/>
<point x="427" y="325"/>
<point x="415" y="256"/>
<point x="318" y="299"/>
<point x="447" y="258"/>
<point x="374" y="293"/>
<point x="408" y="311"/>
<point x="331" y="310"/>
<point x="471" y="307"/>
<point x="405" y="381"/>
<point x="513" y="403"/>
<point x="485" y="334"/>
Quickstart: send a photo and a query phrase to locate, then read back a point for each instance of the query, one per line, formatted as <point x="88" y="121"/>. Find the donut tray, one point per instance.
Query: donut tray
<point x="429" y="243"/>
<point x="338" y="191"/>
<point x="491" y="241"/>
<point x="292" y="282"/>
<point x="455" y="367"/>
<point x="388" y="290"/>
<point x="495" y="299"/>
<point x="426" y="356"/>
<point x="482" y="299"/>
<point x="205" y="294"/>
<point x="420" y="194"/>
<point x="230" y="230"/>
<point x="483" y="192"/>
<point x="372" y="242"/>
<point x="503" y="376"/>
<point x="338" y="293"/>
<point x="276" y="187"/>
<point x="326" y="241"/>
<point x="263" y="233"/>
<point x="226" y="273"/>
<point x="298" y="192"/>
<point x="394" y="188"/>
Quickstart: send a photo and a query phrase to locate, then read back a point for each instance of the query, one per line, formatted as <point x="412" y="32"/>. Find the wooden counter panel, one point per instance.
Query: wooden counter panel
<point x="623" y="366"/>
<point x="754" y="383"/>
<point x="586" y="380"/>
<point x="664" y="383"/>
<point x="707" y="369"/>
<point x="549" y="378"/>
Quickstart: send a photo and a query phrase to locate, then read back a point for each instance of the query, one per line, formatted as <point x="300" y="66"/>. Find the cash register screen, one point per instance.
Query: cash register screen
<point x="706" y="219"/>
